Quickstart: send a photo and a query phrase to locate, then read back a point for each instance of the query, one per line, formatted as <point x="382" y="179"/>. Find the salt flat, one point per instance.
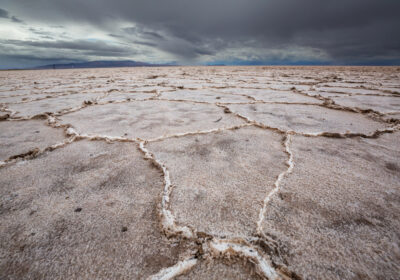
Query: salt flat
<point x="200" y="173"/>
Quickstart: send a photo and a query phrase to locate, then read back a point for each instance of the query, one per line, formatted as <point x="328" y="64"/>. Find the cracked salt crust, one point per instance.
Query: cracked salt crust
<point x="23" y="98"/>
<point x="360" y="91"/>
<point x="21" y="137"/>
<point x="204" y="95"/>
<point x="116" y="96"/>
<point x="307" y="118"/>
<point x="148" y="119"/>
<point x="171" y="272"/>
<point x="215" y="269"/>
<point x="338" y="206"/>
<point x="382" y="104"/>
<point x="53" y="105"/>
<point x="220" y="178"/>
<point x="290" y="165"/>
<point x="268" y="95"/>
<point x="203" y="136"/>
<point x="99" y="178"/>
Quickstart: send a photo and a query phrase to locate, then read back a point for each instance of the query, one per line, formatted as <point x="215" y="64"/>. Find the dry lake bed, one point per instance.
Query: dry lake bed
<point x="200" y="173"/>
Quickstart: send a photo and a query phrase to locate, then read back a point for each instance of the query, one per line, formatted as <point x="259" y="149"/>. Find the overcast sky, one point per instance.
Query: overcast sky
<point x="37" y="32"/>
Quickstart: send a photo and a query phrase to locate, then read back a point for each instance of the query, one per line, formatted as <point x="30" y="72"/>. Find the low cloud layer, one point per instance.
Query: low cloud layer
<point x="201" y="32"/>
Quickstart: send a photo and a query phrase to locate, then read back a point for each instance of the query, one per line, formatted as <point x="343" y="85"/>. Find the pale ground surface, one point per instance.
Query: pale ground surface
<point x="344" y="220"/>
<point x="216" y="269"/>
<point x="148" y="119"/>
<point x="200" y="173"/>
<point x="21" y="137"/>
<point x="307" y="118"/>
<point x="234" y="169"/>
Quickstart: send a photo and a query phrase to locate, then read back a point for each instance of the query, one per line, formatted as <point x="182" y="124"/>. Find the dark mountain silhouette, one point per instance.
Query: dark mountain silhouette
<point x="100" y="64"/>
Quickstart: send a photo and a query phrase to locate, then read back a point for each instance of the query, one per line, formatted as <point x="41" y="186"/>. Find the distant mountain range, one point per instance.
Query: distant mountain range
<point x="100" y="64"/>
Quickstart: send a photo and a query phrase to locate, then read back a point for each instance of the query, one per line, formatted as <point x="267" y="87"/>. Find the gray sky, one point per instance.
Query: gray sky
<point x="200" y="32"/>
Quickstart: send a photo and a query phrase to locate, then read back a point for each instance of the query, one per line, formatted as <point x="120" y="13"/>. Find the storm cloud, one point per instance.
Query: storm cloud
<point x="201" y="32"/>
<point x="3" y="13"/>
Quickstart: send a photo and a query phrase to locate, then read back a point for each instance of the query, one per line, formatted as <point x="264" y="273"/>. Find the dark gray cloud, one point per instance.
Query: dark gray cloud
<point x="82" y="45"/>
<point x="341" y="31"/>
<point x="150" y="44"/>
<point x="3" y="13"/>
<point x="142" y="32"/>
<point x="38" y="31"/>
<point x="19" y="53"/>
<point x="17" y="20"/>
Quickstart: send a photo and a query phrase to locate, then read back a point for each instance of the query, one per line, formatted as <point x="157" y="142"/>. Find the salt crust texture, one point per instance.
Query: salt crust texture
<point x="200" y="173"/>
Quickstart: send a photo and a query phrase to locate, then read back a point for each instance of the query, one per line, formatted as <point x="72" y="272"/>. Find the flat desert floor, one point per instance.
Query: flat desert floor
<point x="200" y="173"/>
